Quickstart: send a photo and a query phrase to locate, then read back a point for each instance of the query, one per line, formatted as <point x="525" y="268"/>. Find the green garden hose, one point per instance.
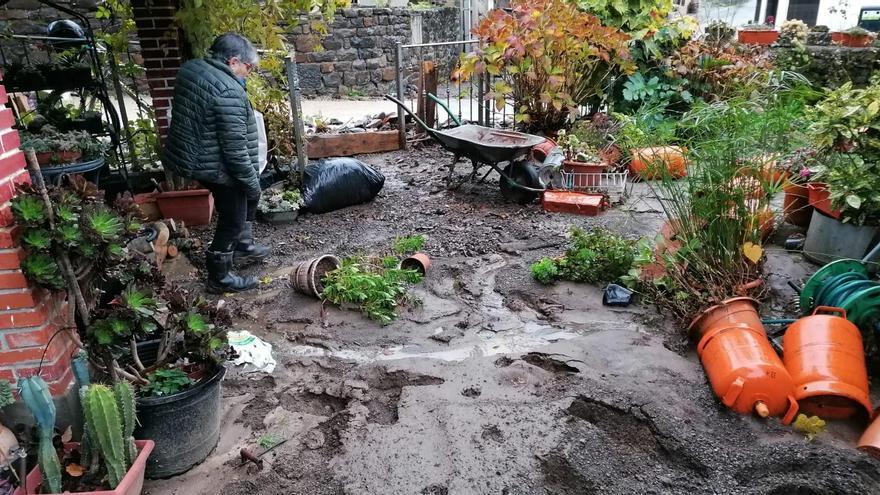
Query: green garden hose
<point x="853" y="292"/>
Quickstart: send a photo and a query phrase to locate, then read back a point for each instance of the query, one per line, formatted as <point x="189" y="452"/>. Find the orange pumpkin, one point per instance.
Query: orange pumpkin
<point x="656" y="161"/>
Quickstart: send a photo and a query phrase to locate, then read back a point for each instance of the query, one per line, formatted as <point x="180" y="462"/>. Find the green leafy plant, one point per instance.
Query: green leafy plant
<point x="718" y="216"/>
<point x="374" y="288"/>
<point x="719" y="31"/>
<point x="165" y="382"/>
<point x="409" y="245"/>
<point x="545" y="271"/>
<point x="7" y="398"/>
<point x="857" y="31"/>
<point x="547" y="58"/>
<point x="638" y="18"/>
<point x="29" y="210"/>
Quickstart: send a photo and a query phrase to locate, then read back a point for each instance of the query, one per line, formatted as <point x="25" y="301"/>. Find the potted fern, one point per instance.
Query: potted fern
<point x="107" y="461"/>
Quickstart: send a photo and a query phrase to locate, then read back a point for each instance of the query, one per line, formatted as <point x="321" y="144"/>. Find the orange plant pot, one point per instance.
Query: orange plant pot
<point x="851" y="40"/>
<point x="656" y="161"/>
<point x="746" y="374"/>
<point x="870" y="440"/>
<point x="796" y="205"/>
<point x="826" y="360"/>
<point x="820" y="199"/>
<point x="737" y="312"/>
<point x="761" y="37"/>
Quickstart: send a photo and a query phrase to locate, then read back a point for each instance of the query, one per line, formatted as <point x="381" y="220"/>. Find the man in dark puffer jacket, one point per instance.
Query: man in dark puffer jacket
<point x="213" y="139"/>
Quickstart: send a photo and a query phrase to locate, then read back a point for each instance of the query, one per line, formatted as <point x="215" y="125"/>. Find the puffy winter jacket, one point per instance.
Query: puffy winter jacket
<point x="213" y="133"/>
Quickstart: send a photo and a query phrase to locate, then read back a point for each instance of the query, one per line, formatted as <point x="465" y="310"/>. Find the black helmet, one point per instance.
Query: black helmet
<point x="65" y="29"/>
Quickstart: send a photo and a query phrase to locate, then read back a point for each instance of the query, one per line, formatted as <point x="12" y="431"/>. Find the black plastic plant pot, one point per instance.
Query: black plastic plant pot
<point x="185" y="426"/>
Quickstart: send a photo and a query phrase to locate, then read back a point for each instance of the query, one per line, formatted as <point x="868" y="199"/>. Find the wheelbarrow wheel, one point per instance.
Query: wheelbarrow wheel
<point x="519" y="174"/>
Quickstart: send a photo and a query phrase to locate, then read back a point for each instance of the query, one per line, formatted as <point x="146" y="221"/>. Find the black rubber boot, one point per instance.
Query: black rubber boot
<point x="247" y="250"/>
<point x="220" y="276"/>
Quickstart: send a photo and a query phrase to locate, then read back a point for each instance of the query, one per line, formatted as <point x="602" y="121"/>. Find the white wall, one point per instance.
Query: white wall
<point x="847" y="18"/>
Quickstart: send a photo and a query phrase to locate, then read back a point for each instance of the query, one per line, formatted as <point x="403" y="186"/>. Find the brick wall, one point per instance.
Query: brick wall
<point x="28" y="317"/>
<point x="162" y="49"/>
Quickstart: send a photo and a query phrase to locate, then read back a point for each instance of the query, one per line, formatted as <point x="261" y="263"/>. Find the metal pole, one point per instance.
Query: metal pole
<point x="401" y="116"/>
<point x="296" y="110"/>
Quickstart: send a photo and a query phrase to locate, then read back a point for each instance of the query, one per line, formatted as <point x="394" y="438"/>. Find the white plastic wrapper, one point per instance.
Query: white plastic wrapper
<point x="262" y="141"/>
<point x="253" y="352"/>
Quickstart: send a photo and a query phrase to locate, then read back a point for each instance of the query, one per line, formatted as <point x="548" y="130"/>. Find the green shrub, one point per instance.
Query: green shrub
<point x="545" y="271"/>
<point x="593" y="257"/>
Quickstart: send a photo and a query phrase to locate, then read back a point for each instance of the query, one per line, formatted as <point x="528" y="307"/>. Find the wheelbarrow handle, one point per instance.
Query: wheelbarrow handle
<point x="407" y="110"/>
<point x="448" y="111"/>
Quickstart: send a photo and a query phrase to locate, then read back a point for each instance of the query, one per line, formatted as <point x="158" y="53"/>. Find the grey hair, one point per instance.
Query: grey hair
<point x="230" y="45"/>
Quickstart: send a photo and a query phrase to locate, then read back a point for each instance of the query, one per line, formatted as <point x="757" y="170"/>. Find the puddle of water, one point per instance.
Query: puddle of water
<point x="527" y="339"/>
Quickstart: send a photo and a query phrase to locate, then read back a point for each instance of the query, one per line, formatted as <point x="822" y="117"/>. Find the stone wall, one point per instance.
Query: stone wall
<point x="357" y="54"/>
<point x="830" y="66"/>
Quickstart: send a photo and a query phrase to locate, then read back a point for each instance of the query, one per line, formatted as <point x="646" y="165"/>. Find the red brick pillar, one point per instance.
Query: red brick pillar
<point x="29" y="317"/>
<point x="162" y="49"/>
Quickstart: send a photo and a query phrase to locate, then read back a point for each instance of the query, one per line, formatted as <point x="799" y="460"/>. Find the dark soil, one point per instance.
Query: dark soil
<point x="494" y="384"/>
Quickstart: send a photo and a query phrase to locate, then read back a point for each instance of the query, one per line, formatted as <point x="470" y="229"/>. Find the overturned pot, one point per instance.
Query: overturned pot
<point x="307" y="277"/>
<point x="419" y="262"/>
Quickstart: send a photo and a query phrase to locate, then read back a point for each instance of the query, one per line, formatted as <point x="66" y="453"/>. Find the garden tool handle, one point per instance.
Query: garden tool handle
<point x="830" y="309"/>
<point x="872" y="254"/>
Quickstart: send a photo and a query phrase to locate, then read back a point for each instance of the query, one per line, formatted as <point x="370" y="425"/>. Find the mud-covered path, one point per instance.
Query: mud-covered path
<point x="494" y="384"/>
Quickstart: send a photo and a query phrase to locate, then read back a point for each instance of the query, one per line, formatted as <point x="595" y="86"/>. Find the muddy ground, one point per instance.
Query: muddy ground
<point x="494" y="384"/>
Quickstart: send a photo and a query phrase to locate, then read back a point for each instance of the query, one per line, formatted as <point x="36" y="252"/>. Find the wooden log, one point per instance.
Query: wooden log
<point x="429" y="74"/>
<point x="327" y="145"/>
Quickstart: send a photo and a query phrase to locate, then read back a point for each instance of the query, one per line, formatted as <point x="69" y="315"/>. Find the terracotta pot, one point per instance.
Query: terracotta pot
<point x="148" y="205"/>
<point x="656" y="161"/>
<point x="587" y="173"/>
<point x="737" y="312"/>
<point x="870" y="440"/>
<point x="540" y="152"/>
<point x="307" y="277"/>
<point x="796" y="205"/>
<point x="852" y="40"/>
<point x="820" y="199"/>
<point x="192" y="206"/>
<point x="762" y="37"/>
<point x="49" y="158"/>
<point x="746" y="374"/>
<point x="826" y="359"/>
<point x="419" y="262"/>
<point x="132" y="483"/>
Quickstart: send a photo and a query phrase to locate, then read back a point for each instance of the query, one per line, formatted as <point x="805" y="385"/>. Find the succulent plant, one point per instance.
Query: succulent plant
<point x="104" y="225"/>
<point x="7" y="398"/>
<point x="35" y="394"/>
<point x="37" y="239"/>
<point x="44" y="270"/>
<point x="29" y="210"/>
<point x="101" y="412"/>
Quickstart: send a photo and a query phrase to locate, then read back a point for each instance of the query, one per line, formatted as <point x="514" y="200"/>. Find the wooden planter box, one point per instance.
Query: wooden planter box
<point x="361" y="143"/>
<point x="757" y="37"/>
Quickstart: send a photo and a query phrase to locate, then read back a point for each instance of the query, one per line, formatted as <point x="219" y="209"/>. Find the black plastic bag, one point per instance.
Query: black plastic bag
<point x="336" y="183"/>
<point x="616" y="295"/>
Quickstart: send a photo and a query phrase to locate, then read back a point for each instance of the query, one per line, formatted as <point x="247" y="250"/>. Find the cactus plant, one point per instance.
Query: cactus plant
<point x="35" y="394"/>
<point x="125" y="401"/>
<point x="102" y="414"/>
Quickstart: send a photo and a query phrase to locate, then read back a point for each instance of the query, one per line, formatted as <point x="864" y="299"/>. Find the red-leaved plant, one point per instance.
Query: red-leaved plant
<point x="547" y="58"/>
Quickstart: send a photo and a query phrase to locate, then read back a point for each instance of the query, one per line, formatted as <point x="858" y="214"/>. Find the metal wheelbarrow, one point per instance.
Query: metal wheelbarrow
<point x="487" y="146"/>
